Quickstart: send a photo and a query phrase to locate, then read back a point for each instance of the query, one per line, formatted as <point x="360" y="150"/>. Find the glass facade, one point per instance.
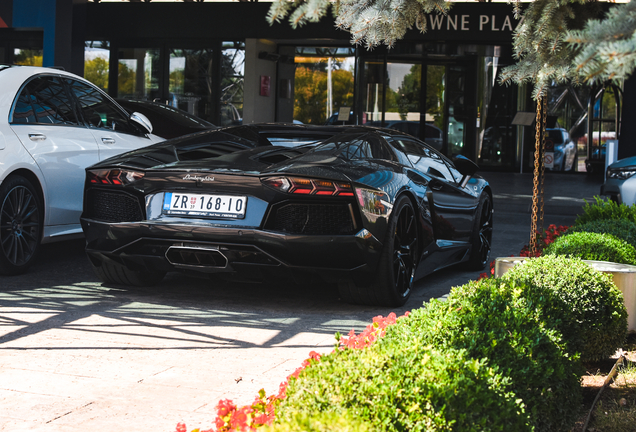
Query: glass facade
<point x="232" y="83"/>
<point x="139" y="73"/>
<point x="97" y="63"/>
<point x="323" y="83"/>
<point x="28" y="56"/>
<point x="447" y="95"/>
<point x="205" y="82"/>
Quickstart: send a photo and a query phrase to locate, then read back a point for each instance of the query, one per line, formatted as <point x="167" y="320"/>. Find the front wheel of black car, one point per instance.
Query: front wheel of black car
<point x="111" y="272"/>
<point x="21" y="217"/>
<point x="393" y="281"/>
<point x="481" y="242"/>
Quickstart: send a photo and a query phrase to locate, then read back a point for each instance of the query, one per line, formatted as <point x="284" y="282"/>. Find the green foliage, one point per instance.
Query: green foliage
<point x="593" y="246"/>
<point x="605" y="209"/>
<point x="28" y="57"/>
<point x="318" y="422"/>
<point x="582" y="303"/>
<point x="400" y="383"/>
<point x="606" y="47"/>
<point x="543" y="56"/>
<point x="619" y="228"/>
<point x="492" y="320"/>
<point x="310" y="89"/>
<point x="96" y="71"/>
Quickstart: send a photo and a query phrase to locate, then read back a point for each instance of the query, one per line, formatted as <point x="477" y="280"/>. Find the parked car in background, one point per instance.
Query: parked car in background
<point x="167" y="121"/>
<point x="563" y="147"/>
<point x="369" y="209"/>
<point x="53" y="124"/>
<point x="620" y="181"/>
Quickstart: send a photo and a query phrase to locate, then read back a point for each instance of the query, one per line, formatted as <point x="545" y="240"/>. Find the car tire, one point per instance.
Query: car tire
<point x="21" y="221"/>
<point x="115" y="273"/>
<point x="393" y="281"/>
<point x="481" y="238"/>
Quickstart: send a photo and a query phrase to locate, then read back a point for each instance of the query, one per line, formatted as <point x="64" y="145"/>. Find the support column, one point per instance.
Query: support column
<point x="259" y="100"/>
<point x="55" y="17"/>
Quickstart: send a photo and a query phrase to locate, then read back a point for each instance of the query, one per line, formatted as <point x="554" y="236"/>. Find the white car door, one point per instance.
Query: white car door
<point x="45" y="121"/>
<point x="114" y="132"/>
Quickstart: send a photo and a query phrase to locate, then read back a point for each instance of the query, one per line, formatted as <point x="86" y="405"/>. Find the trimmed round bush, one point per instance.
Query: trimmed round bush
<point x="593" y="246"/>
<point x="620" y="228"/>
<point x="582" y="303"/>
<point x="492" y="321"/>
<point x="401" y="383"/>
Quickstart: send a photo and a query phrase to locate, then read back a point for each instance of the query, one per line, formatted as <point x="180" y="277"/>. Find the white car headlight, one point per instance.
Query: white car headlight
<point x="621" y="173"/>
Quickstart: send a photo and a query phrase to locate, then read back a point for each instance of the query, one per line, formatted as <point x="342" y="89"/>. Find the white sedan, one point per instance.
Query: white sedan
<point x="53" y="124"/>
<point x="620" y="183"/>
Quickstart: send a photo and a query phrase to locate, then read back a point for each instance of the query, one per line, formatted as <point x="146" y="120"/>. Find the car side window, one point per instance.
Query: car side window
<point x="44" y="100"/>
<point x="423" y="158"/>
<point x="98" y="111"/>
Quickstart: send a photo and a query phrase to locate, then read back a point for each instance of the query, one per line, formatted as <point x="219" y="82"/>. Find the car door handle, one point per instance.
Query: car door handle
<point x="436" y="186"/>
<point x="37" y="137"/>
<point x="108" y="140"/>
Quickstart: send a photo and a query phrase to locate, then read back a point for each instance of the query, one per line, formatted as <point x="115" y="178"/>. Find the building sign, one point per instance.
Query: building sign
<point x="469" y="23"/>
<point x="479" y="22"/>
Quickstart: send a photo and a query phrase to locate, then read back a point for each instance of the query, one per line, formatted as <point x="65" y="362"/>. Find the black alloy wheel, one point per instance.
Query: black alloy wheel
<point x="482" y="234"/>
<point x="20" y="225"/>
<point x="393" y="281"/>
<point x="404" y="249"/>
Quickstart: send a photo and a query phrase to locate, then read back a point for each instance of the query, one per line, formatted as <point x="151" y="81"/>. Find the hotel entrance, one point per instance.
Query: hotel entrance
<point x="429" y="96"/>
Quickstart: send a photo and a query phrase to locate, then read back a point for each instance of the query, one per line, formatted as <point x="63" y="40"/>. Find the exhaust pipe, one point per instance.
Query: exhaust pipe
<point x="199" y="257"/>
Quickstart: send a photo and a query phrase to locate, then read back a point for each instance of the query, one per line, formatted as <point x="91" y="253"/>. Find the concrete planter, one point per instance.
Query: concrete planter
<point x="623" y="276"/>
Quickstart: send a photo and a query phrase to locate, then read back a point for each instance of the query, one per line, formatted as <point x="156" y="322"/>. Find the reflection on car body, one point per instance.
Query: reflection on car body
<point x="369" y="209"/>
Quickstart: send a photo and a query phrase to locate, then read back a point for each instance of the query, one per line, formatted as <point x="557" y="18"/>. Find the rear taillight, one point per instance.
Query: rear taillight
<point x="307" y="186"/>
<point x="114" y="177"/>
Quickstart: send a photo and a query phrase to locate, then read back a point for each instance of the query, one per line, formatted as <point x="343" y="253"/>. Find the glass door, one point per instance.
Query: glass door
<point x="604" y="109"/>
<point x="408" y="96"/>
<point x="431" y="100"/>
<point x="139" y="73"/>
<point x="456" y="110"/>
<point x="190" y="73"/>
<point x="434" y="118"/>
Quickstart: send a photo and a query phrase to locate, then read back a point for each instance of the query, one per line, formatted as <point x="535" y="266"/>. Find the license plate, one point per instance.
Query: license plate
<point x="214" y="206"/>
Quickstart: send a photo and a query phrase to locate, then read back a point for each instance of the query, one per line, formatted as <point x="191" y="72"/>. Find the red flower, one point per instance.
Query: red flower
<point x="225" y="407"/>
<point x="230" y="418"/>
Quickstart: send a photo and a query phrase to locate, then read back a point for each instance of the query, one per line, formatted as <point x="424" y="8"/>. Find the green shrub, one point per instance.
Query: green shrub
<point x="318" y="422"/>
<point x="582" y="303"/>
<point x="593" y="246"/>
<point x="401" y="383"/>
<point x="605" y="209"/>
<point x="619" y="228"/>
<point x="491" y="320"/>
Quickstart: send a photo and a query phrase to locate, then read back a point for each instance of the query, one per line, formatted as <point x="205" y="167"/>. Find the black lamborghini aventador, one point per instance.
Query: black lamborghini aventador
<point x="369" y="209"/>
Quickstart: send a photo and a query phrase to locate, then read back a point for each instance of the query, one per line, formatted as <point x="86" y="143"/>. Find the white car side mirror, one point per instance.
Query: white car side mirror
<point x="141" y="120"/>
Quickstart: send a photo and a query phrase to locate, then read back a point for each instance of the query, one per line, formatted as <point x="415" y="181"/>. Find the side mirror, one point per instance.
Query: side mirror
<point x="142" y="121"/>
<point x="466" y="167"/>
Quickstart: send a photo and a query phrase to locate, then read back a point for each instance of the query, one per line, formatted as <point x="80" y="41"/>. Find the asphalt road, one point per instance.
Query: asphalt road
<point x="78" y="355"/>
